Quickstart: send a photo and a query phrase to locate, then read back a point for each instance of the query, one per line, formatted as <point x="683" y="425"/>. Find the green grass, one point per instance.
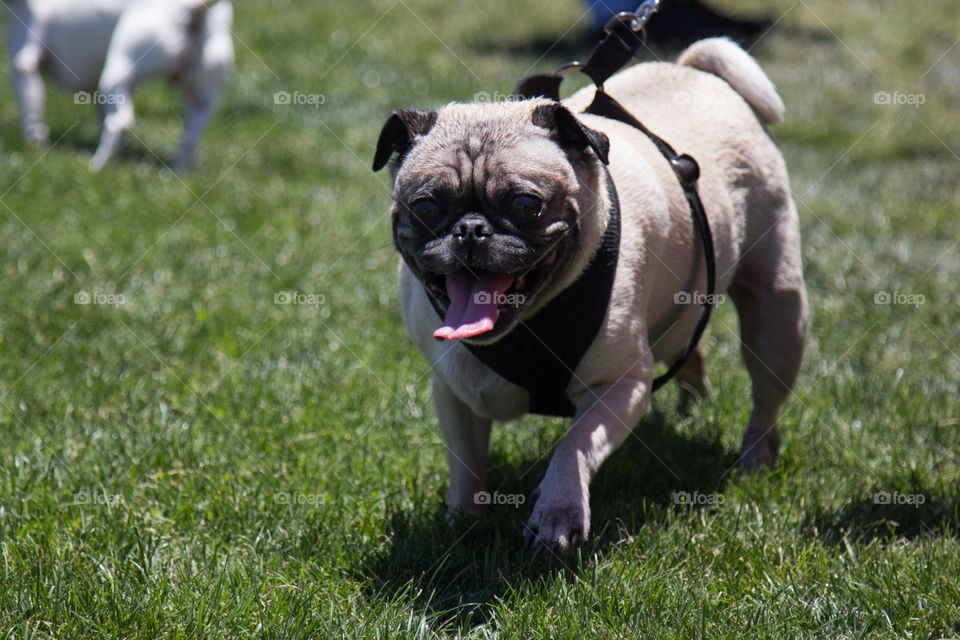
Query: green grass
<point x="201" y="462"/>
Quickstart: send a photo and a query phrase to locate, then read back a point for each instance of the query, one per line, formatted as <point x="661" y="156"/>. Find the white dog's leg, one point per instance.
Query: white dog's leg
<point x="561" y="511"/>
<point x="29" y="87"/>
<point x="201" y="101"/>
<point x="467" y="438"/>
<point x="118" y="117"/>
<point x="772" y="306"/>
<point x="123" y="67"/>
<point x="204" y="83"/>
<point x="199" y="110"/>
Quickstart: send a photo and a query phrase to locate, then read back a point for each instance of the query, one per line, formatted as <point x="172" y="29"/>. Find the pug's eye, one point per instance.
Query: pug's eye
<point x="425" y="210"/>
<point x="526" y="208"/>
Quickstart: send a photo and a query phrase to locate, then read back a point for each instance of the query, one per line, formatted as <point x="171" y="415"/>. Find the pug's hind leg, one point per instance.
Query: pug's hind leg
<point x="693" y="380"/>
<point x="771" y="302"/>
<point x="467" y="439"/>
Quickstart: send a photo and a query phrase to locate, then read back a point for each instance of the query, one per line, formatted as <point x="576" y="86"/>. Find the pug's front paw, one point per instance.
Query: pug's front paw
<point x="560" y="521"/>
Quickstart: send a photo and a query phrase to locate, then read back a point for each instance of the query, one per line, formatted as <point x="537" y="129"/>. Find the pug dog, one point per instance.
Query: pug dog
<point x="500" y="208"/>
<point x="103" y="48"/>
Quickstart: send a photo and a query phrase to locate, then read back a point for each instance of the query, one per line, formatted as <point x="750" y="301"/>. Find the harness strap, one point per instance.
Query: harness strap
<point x="618" y="46"/>
<point x="624" y="37"/>
<point x="688" y="172"/>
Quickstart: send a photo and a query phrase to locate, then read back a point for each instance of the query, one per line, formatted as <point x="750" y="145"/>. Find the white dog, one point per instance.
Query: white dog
<point x="103" y="48"/>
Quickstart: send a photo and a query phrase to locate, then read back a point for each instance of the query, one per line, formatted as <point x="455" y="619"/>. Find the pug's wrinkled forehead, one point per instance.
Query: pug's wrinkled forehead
<point x="467" y="147"/>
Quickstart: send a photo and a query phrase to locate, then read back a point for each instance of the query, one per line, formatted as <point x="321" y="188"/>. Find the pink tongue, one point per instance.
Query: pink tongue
<point x="473" y="304"/>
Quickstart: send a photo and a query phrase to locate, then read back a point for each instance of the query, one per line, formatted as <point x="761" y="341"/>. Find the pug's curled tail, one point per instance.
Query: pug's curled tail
<point x="725" y="59"/>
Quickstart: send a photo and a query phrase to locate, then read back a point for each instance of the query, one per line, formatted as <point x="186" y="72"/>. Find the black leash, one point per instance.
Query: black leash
<point x="624" y="36"/>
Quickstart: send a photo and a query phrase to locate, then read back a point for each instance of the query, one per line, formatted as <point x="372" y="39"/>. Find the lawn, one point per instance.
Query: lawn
<point x="185" y="457"/>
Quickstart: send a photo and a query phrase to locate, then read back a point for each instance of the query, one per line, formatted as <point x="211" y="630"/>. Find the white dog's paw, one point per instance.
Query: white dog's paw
<point x="97" y="162"/>
<point x="37" y="134"/>
<point x="559" y="522"/>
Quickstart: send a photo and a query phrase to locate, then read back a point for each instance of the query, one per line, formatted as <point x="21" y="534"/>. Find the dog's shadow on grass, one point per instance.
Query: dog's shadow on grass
<point x="84" y="145"/>
<point x="885" y="515"/>
<point x="454" y="571"/>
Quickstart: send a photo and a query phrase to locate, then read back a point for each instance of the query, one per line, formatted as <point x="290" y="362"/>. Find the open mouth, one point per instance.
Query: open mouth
<point x="479" y="302"/>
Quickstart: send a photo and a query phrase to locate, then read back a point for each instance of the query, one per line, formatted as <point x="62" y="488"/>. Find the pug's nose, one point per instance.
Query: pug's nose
<point x="472" y="228"/>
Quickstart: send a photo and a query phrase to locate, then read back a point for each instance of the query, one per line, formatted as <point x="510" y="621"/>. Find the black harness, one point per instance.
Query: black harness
<point x="541" y="354"/>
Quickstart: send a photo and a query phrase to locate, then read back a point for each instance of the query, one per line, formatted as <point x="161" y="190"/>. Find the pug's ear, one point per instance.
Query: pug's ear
<point x="399" y="133"/>
<point x="569" y="132"/>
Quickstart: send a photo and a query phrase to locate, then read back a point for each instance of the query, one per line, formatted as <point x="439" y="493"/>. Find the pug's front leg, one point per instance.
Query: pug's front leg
<point x="467" y="439"/>
<point x="561" y="504"/>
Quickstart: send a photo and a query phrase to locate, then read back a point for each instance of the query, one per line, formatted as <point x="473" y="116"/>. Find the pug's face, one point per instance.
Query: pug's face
<point x="486" y="206"/>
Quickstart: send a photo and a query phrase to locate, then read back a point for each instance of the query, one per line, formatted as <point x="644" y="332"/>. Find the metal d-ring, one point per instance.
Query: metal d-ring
<point x="568" y="68"/>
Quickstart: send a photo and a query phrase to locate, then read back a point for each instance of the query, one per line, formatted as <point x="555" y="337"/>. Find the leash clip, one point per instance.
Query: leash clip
<point x="636" y="19"/>
<point x="644" y="12"/>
